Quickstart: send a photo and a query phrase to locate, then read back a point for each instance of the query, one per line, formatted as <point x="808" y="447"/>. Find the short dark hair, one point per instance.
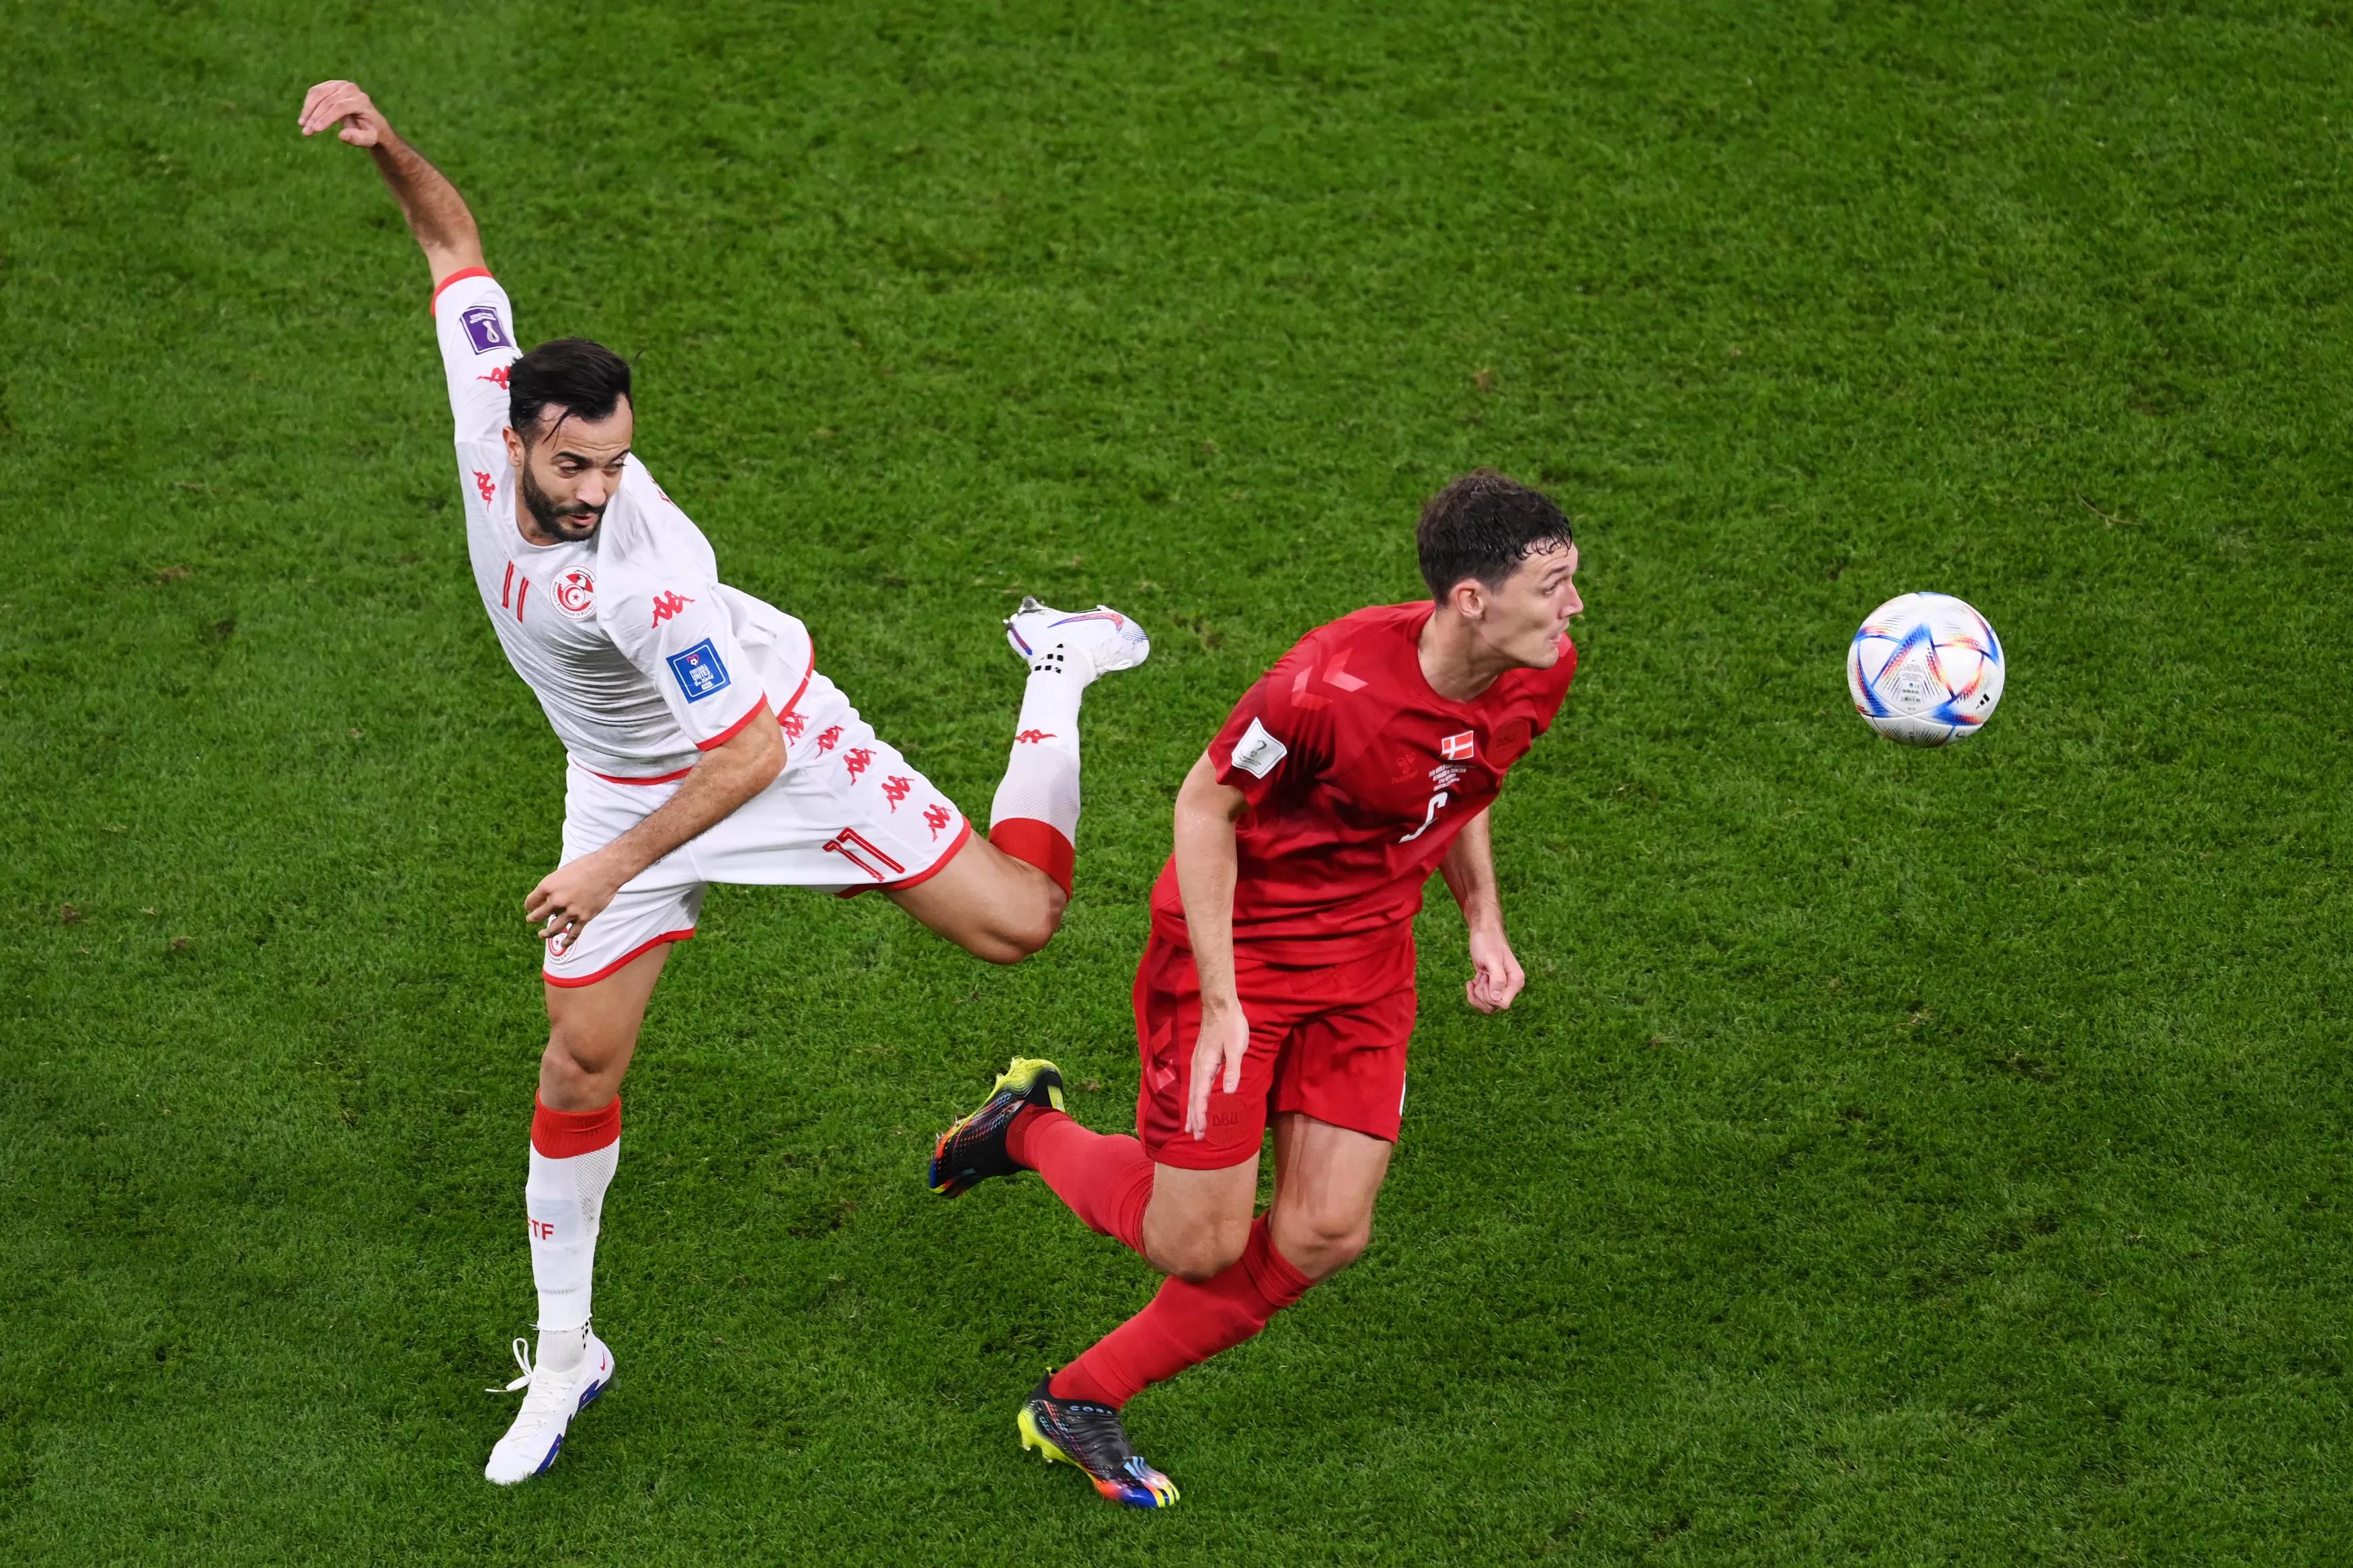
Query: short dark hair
<point x="1483" y="525"/>
<point x="585" y="379"/>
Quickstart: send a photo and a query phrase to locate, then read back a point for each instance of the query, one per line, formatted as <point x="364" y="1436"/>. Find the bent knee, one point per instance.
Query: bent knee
<point x="1320" y="1251"/>
<point x="573" y="1057"/>
<point x="1203" y="1255"/>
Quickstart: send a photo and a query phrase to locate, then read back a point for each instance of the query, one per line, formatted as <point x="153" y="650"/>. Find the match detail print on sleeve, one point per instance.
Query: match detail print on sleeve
<point x="1258" y="751"/>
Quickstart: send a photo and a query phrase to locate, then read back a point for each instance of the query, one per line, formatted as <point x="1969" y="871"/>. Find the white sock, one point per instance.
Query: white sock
<point x="1042" y="775"/>
<point x="564" y="1199"/>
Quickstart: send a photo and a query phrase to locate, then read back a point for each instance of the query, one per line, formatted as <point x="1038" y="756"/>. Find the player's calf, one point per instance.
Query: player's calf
<point x="988" y="903"/>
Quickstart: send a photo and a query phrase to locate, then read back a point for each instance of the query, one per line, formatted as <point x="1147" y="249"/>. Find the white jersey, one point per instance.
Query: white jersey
<point x="639" y="655"/>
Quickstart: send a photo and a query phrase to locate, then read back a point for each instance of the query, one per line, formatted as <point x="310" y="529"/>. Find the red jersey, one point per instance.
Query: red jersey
<point x="1358" y="777"/>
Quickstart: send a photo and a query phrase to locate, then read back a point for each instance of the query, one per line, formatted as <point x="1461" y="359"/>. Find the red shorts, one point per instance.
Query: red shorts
<point x="1328" y="1042"/>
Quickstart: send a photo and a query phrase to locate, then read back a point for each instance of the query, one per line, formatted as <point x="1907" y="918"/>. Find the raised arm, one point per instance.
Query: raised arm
<point x="1469" y="869"/>
<point x="437" y="213"/>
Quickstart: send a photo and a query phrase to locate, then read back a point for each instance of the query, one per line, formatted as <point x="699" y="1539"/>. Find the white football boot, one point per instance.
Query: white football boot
<point x="1084" y="643"/>
<point x="532" y="1444"/>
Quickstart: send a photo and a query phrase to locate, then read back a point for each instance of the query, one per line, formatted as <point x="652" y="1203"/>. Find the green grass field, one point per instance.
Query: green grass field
<point x="1902" y="1157"/>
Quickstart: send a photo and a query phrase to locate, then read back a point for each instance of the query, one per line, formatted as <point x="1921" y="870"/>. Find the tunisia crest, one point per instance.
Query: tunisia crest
<point x="575" y="592"/>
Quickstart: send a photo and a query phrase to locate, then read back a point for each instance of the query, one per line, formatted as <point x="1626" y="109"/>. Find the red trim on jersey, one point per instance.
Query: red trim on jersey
<point x="638" y="951"/>
<point x="562" y="1134"/>
<point x="734" y="729"/>
<point x="802" y="688"/>
<point x="1041" y="843"/>
<point x="799" y="691"/>
<point x="920" y="878"/>
<point x="663" y="778"/>
<point x="458" y="276"/>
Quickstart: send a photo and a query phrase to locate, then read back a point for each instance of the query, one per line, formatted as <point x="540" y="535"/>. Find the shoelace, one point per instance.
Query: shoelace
<point x="523" y="1360"/>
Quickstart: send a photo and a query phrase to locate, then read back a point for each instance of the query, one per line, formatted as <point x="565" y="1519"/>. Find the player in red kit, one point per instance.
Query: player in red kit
<point x="1278" y="982"/>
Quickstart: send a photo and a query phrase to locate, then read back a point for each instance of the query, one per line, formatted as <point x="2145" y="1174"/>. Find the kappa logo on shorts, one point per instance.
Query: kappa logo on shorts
<point x="1459" y="748"/>
<point x="859" y="759"/>
<point x="895" y="790"/>
<point x="699" y="671"/>
<point x="484" y="329"/>
<point x="936" y="817"/>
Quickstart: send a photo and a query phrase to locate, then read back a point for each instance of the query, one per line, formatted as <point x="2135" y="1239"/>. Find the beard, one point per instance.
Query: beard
<point x="571" y="522"/>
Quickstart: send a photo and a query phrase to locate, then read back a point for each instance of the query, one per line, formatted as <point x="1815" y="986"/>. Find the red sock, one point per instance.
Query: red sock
<point x="1041" y="844"/>
<point x="1185" y="1325"/>
<point x="1106" y="1178"/>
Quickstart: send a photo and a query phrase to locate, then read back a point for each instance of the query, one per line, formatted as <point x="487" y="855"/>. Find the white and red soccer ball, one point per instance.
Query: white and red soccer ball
<point x="1925" y="669"/>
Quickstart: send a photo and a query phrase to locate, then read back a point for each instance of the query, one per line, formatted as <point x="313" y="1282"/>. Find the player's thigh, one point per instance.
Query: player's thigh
<point x="1167" y="1001"/>
<point x="592" y="1032"/>
<point x="1197" y="1222"/>
<point x="986" y="903"/>
<point x="1326" y="1179"/>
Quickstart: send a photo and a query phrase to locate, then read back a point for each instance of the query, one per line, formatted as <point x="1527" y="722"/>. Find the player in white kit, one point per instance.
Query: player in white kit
<point x="704" y="745"/>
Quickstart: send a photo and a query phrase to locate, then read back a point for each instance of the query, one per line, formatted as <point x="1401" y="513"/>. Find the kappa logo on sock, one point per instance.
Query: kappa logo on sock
<point x="1031" y="737"/>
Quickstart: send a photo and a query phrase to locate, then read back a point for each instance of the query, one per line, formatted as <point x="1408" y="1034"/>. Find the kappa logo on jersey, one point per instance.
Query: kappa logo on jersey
<point x="497" y="378"/>
<point x="895" y="790"/>
<point x="699" y="671"/>
<point x="1257" y="751"/>
<point x="669" y="605"/>
<point x="936" y="817"/>
<point x="859" y="760"/>
<point x="794" y="725"/>
<point x="487" y="485"/>
<point x="484" y="329"/>
<point x="575" y="592"/>
<point x="830" y="738"/>
<point x="1459" y="748"/>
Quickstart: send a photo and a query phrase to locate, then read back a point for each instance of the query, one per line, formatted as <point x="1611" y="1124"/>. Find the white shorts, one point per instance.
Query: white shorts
<point x="847" y="814"/>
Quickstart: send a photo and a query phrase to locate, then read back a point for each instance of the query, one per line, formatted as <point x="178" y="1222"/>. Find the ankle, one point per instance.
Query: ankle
<point x="562" y="1350"/>
<point x="1016" y="1135"/>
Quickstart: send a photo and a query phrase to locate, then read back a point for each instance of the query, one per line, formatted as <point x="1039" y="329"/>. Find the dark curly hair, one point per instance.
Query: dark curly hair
<point x="584" y="379"/>
<point x="1483" y="525"/>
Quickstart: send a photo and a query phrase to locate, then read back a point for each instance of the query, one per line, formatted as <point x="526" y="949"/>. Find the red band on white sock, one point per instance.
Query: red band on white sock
<point x="561" y="1134"/>
<point x="1038" y="843"/>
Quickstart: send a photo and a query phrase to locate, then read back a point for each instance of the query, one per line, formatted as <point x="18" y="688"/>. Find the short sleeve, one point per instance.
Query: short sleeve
<point x="475" y="322"/>
<point x="1279" y="735"/>
<point x="679" y="635"/>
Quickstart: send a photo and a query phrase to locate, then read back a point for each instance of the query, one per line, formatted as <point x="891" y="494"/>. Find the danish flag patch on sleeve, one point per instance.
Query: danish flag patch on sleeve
<point x="698" y="670"/>
<point x="1257" y="751"/>
<point x="1459" y="748"/>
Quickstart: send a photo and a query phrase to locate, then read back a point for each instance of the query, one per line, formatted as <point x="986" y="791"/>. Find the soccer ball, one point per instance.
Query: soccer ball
<point x="1924" y="670"/>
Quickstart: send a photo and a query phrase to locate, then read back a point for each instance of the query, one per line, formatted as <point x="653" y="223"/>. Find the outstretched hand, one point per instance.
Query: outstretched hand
<point x="1496" y="976"/>
<point x="331" y="101"/>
